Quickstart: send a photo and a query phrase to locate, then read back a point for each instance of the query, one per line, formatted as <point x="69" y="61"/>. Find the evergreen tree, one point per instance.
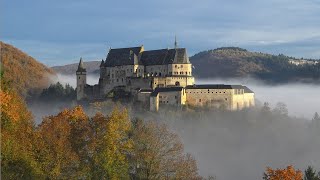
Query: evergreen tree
<point x="310" y="174"/>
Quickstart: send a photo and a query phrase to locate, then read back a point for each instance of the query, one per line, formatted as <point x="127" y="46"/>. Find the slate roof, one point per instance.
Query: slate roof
<point x="220" y="86"/>
<point x="81" y="67"/>
<point x="165" y="56"/>
<point x="122" y="56"/>
<point x="166" y="89"/>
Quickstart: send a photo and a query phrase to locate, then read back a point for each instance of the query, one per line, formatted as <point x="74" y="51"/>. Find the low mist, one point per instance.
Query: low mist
<point x="238" y="145"/>
<point x="302" y="100"/>
<point x="71" y="79"/>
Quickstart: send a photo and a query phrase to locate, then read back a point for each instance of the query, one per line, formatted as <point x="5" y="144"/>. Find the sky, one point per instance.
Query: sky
<point x="61" y="31"/>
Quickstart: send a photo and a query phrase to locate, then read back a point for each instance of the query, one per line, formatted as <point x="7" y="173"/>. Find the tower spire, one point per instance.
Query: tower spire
<point x="81" y="66"/>
<point x="175" y="42"/>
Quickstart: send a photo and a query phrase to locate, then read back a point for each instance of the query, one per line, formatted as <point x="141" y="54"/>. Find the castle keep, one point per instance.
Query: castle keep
<point x="159" y="77"/>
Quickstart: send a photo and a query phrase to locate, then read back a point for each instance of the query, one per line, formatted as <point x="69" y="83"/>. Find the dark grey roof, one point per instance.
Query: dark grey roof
<point x="246" y="89"/>
<point x="219" y="86"/>
<point x="181" y="56"/>
<point x="164" y="56"/>
<point x="123" y="56"/>
<point x="166" y="89"/>
<point x="81" y="67"/>
<point x="132" y="55"/>
<point x="102" y="63"/>
<point x="157" y="57"/>
<point x="145" y="90"/>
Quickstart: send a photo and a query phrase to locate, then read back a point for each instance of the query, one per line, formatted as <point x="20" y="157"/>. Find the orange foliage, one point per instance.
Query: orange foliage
<point x="23" y="71"/>
<point x="63" y="136"/>
<point x="283" y="174"/>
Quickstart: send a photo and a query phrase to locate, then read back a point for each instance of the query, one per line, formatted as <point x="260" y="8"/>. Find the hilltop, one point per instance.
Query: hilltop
<point x="234" y="62"/>
<point x="25" y="74"/>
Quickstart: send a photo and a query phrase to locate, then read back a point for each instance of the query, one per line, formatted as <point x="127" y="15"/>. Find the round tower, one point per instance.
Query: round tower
<point x="81" y="80"/>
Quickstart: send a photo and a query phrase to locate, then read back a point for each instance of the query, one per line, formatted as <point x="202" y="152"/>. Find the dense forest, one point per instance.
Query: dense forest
<point x="233" y="62"/>
<point x="26" y="74"/>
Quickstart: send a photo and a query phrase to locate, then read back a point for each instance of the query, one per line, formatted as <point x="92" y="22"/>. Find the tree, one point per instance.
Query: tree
<point x="58" y="93"/>
<point x="281" y="109"/>
<point x="158" y="154"/>
<point x="18" y="159"/>
<point x="316" y="120"/>
<point x="283" y="174"/>
<point x="118" y="145"/>
<point x="310" y="174"/>
<point x="64" y="141"/>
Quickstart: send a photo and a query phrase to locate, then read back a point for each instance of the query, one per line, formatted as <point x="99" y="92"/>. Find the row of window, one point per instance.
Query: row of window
<point x="204" y="92"/>
<point x="176" y="66"/>
<point x="166" y="102"/>
<point x="176" y="97"/>
<point x="212" y="100"/>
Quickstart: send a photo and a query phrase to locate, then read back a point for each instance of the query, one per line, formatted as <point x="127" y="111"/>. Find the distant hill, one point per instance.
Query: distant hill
<point x="91" y="66"/>
<point x="26" y="75"/>
<point x="234" y="62"/>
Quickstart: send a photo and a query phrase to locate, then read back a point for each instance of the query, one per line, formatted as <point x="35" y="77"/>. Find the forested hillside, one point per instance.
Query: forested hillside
<point x="231" y="62"/>
<point x="25" y="74"/>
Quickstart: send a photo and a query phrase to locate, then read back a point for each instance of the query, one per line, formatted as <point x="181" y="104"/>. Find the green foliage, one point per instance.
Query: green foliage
<point x="311" y="174"/>
<point x="58" y="93"/>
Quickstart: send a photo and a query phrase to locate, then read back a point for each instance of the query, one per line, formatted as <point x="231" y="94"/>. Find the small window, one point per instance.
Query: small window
<point x="181" y="66"/>
<point x="199" y="100"/>
<point x="79" y="77"/>
<point x="226" y="99"/>
<point x="175" y="66"/>
<point x="175" y="97"/>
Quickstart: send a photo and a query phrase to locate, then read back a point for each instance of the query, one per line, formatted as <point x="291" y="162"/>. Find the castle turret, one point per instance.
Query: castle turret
<point x="81" y="80"/>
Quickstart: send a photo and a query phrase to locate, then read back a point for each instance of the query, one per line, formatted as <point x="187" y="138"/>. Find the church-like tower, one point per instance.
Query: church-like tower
<point x="81" y="80"/>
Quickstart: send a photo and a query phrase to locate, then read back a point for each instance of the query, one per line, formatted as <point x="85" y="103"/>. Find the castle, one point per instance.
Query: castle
<point x="157" y="78"/>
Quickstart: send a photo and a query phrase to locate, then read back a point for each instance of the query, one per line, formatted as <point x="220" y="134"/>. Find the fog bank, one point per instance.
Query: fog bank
<point x="302" y="100"/>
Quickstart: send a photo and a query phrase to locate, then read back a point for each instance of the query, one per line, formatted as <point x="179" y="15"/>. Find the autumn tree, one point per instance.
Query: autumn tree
<point x="17" y="137"/>
<point x="283" y="174"/>
<point x="114" y="144"/>
<point x="65" y="142"/>
<point x="158" y="154"/>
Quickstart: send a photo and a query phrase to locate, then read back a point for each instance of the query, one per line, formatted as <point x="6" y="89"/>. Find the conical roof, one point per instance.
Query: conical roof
<point x="81" y="67"/>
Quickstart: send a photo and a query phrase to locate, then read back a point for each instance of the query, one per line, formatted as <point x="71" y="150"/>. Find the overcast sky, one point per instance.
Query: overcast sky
<point x="58" y="32"/>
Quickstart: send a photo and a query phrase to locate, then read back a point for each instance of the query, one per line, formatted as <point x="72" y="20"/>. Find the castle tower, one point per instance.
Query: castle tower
<point x="81" y="80"/>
